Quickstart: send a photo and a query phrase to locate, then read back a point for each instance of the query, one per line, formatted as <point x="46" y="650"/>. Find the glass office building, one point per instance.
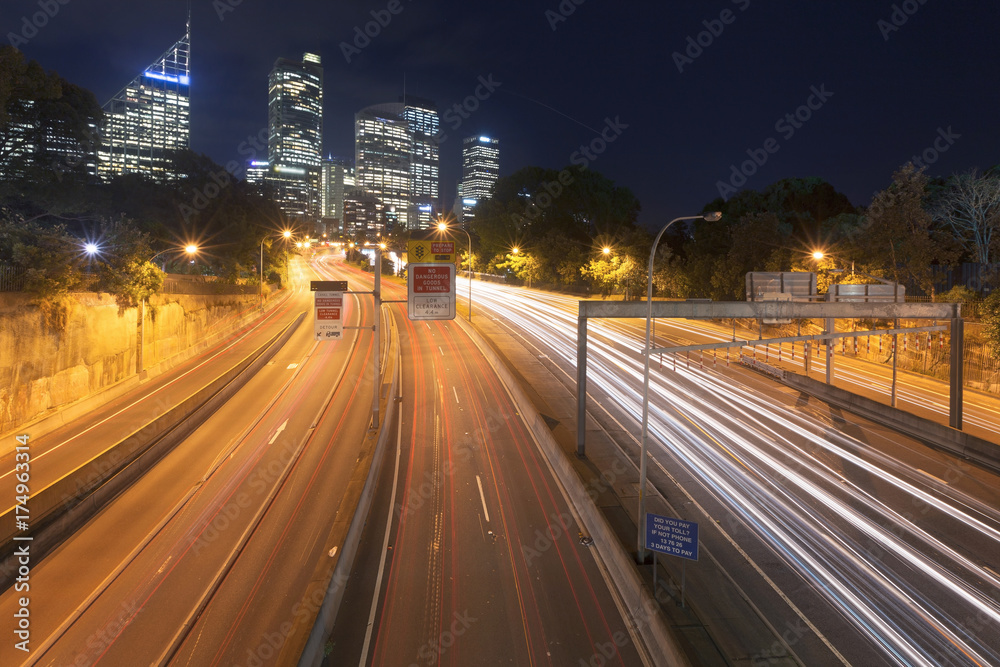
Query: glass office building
<point x="295" y="136"/>
<point x="422" y="117"/>
<point x="480" y="171"/>
<point x="383" y="147"/>
<point x="149" y="121"/>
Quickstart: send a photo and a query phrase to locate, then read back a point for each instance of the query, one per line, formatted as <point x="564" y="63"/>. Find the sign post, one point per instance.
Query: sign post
<point x="675" y="537"/>
<point x="328" y="304"/>
<point x="431" y="291"/>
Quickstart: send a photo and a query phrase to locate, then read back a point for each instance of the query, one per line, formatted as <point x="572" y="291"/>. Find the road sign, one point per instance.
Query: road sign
<point x="675" y="537"/>
<point x="329" y="311"/>
<point x="430" y="252"/>
<point x="431" y="293"/>
<point x="328" y="286"/>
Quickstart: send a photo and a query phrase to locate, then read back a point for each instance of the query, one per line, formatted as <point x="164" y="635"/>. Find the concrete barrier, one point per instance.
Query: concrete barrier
<point x="646" y="617"/>
<point x="62" y="506"/>
<point x="959" y="443"/>
<point x="42" y="426"/>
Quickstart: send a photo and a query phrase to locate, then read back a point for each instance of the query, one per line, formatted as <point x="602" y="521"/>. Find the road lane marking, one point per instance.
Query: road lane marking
<point x="440" y="350"/>
<point x="385" y="545"/>
<point x="483" y="498"/>
<point x="456" y="394"/>
<point x="277" y="433"/>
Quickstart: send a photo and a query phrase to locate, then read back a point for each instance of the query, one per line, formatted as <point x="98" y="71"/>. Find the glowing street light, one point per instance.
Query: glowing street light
<point x="708" y="217"/>
<point x="91" y="248"/>
<point x="443" y="227"/>
<point x="818" y="255"/>
<point x="606" y="250"/>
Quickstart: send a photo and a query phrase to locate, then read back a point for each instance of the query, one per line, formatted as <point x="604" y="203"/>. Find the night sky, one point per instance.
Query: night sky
<point x="928" y="72"/>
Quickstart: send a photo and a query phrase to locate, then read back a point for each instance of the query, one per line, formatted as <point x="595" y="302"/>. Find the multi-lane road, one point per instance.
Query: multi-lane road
<point x="483" y="563"/>
<point x="870" y="548"/>
<point x="883" y="550"/>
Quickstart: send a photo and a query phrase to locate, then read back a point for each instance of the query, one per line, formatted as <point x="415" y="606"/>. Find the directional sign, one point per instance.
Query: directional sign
<point x="431" y="291"/>
<point x="672" y="536"/>
<point x="328" y="286"/>
<point x="329" y="310"/>
<point x="430" y="252"/>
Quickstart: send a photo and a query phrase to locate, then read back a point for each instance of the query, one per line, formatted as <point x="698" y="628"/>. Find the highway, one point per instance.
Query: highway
<point x="483" y="563"/>
<point x="921" y="395"/>
<point x="201" y="560"/>
<point x="882" y="550"/>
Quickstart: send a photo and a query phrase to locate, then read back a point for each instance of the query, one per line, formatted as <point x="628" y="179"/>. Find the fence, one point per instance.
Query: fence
<point x="922" y="352"/>
<point x="11" y="278"/>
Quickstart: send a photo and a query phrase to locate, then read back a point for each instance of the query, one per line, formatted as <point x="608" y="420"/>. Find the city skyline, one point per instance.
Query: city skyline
<point x="695" y="106"/>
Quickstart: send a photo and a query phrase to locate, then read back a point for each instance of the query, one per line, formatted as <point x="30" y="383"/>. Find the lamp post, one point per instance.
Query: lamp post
<point x="190" y="249"/>
<point x="287" y="234"/>
<point x="443" y="227"/>
<point x="641" y="523"/>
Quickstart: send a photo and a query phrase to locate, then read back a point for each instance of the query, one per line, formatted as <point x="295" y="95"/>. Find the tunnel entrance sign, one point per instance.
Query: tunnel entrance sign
<point x="431" y="291"/>
<point x="329" y="310"/>
<point x="675" y="537"/>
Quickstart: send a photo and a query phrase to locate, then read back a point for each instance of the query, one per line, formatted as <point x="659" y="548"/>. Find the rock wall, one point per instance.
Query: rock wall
<point x="42" y="370"/>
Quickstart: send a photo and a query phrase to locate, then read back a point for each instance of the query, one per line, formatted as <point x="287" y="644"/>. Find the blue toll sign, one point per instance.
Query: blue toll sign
<point x="675" y="537"/>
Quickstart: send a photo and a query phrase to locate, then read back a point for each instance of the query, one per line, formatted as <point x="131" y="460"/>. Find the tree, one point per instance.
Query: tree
<point x="525" y="266"/>
<point x="898" y="238"/>
<point x="125" y="271"/>
<point x="37" y="108"/>
<point x="556" y="214"/>
<point x="618" y="273"/>
<point x="970" y="206"/>
<point x="50" y="259"/>
<point x="991" y="322"/>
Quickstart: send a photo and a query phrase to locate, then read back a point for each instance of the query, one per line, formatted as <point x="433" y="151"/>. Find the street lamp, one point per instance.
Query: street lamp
<point x="443" y="227"/>
<point x="287" y="234"/>
<point x="91" y="248"/>
<point x="190" y="249"/>
<point x="606" y="250"/>
<point x="641" y="523"/>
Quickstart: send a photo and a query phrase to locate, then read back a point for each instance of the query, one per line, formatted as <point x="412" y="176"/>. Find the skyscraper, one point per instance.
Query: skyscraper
<point x="383" y="147"/>
<point x="425" y="194"/>
<point x="295" y="135"/>
<point x="149" y="121"/>
<point x="338" y="177"/>
<point x="480" y="171"/>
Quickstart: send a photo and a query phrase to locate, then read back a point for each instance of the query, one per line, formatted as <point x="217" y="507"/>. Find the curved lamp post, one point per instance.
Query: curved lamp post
<point x="190" y="249"/>
<point x="641" y="523"/>
<point x="443" y="227"/>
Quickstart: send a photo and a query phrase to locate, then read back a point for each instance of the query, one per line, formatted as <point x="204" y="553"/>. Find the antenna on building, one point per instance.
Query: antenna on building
<point x="189" y="21"/>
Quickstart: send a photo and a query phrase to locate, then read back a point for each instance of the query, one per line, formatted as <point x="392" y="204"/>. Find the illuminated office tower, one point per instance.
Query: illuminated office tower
<point x="256" y="172"/>
<point x="149" y="121"/>
<point x="480" y="170"/>
<point x="422" y="117"/>
<point x="338" y="177"/>
<point x="295" y="136"/>
<point x="364" y="215"/>
<point x="383" y="147"/>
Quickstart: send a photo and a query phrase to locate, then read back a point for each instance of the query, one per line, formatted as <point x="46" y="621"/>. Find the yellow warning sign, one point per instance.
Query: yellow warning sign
<point x="430" y="252"/>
